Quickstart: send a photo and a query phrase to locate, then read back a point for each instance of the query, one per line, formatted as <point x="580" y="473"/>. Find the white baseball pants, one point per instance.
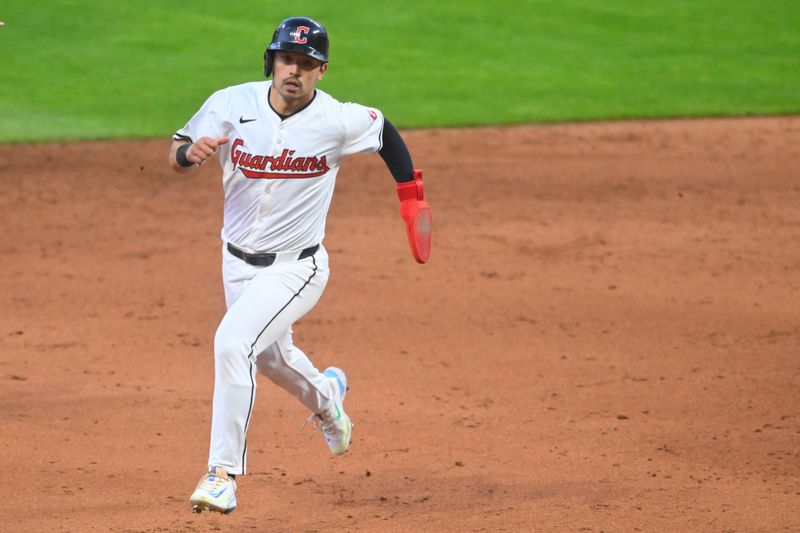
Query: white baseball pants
<point x="255" y="335"/>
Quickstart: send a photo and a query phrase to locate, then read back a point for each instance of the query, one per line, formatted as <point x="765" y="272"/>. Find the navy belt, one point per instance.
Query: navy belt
<point x="267" y="259"/>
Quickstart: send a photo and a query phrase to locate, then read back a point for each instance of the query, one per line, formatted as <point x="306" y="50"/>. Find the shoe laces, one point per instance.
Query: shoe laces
<point x="323" y="420"/>
<point x="212" y="481"/>
<point x="313" y="418"/>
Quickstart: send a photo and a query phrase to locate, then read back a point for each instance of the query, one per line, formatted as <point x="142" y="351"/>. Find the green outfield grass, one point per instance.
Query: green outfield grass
<point x="73" y="69"/>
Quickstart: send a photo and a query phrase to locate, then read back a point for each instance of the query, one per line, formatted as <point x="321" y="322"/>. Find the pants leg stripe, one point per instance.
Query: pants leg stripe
<point x="250" y="355"/>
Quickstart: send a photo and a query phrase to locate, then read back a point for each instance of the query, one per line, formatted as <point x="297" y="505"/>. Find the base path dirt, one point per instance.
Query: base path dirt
<point x="607" y="338"/>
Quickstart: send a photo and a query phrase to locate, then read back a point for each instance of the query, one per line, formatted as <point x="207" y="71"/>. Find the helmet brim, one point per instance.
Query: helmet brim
<point x="300" y="49"/>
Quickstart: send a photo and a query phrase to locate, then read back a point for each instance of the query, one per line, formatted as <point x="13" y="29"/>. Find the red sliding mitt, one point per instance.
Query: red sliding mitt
<point x="416" y="214"/>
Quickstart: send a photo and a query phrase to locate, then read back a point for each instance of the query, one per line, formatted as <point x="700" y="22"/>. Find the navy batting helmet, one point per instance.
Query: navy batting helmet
<point x="297" y="34"/>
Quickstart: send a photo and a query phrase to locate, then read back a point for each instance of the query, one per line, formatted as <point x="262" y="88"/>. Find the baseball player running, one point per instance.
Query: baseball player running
<point x="280" y="143"/>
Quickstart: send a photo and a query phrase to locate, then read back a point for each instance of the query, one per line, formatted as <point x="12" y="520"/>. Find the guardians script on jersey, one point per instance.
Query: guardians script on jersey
<point x="277" y="167"/>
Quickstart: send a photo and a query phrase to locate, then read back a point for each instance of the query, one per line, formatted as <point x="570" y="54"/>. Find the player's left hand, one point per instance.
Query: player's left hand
<point x="416" y="213"/>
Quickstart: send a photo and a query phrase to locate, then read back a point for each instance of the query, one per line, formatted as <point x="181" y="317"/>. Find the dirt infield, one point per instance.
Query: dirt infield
<point x="607" y="338"/>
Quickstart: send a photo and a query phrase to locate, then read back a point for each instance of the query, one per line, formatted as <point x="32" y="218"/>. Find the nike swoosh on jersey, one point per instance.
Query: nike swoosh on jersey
<point x="243" y="120"/>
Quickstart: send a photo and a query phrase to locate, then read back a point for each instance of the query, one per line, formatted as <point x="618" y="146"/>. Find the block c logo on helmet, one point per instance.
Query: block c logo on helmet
<point x="298" y="34"/>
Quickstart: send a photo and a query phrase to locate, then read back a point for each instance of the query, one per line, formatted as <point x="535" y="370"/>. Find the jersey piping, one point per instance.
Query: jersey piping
<point x="250" y="357"/>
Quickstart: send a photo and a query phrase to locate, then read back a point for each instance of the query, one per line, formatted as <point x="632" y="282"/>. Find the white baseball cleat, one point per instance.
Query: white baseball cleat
<point x="216" y="491"/>
<point x="336" y="426"/>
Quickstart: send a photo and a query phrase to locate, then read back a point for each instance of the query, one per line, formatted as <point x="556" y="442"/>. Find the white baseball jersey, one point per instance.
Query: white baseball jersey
<point x="278" y="178"/>
<point x="278" y="175"/>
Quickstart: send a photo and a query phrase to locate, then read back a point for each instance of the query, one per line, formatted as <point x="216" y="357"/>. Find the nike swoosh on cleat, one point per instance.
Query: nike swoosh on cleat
<point x="217" y="495"/>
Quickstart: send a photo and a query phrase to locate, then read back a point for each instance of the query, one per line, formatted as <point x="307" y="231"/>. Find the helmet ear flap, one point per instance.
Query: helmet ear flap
<point x="268" y="58"/>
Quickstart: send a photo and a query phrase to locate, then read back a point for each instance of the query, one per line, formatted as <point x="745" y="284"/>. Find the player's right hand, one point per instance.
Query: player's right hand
<point x="203" y="148"/>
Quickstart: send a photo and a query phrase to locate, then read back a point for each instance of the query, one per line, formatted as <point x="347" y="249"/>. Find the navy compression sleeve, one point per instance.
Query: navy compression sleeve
<point x="395" y="154"/>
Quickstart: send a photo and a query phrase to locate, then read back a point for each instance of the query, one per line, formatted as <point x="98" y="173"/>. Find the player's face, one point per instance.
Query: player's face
<point x="295" y="75"/>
